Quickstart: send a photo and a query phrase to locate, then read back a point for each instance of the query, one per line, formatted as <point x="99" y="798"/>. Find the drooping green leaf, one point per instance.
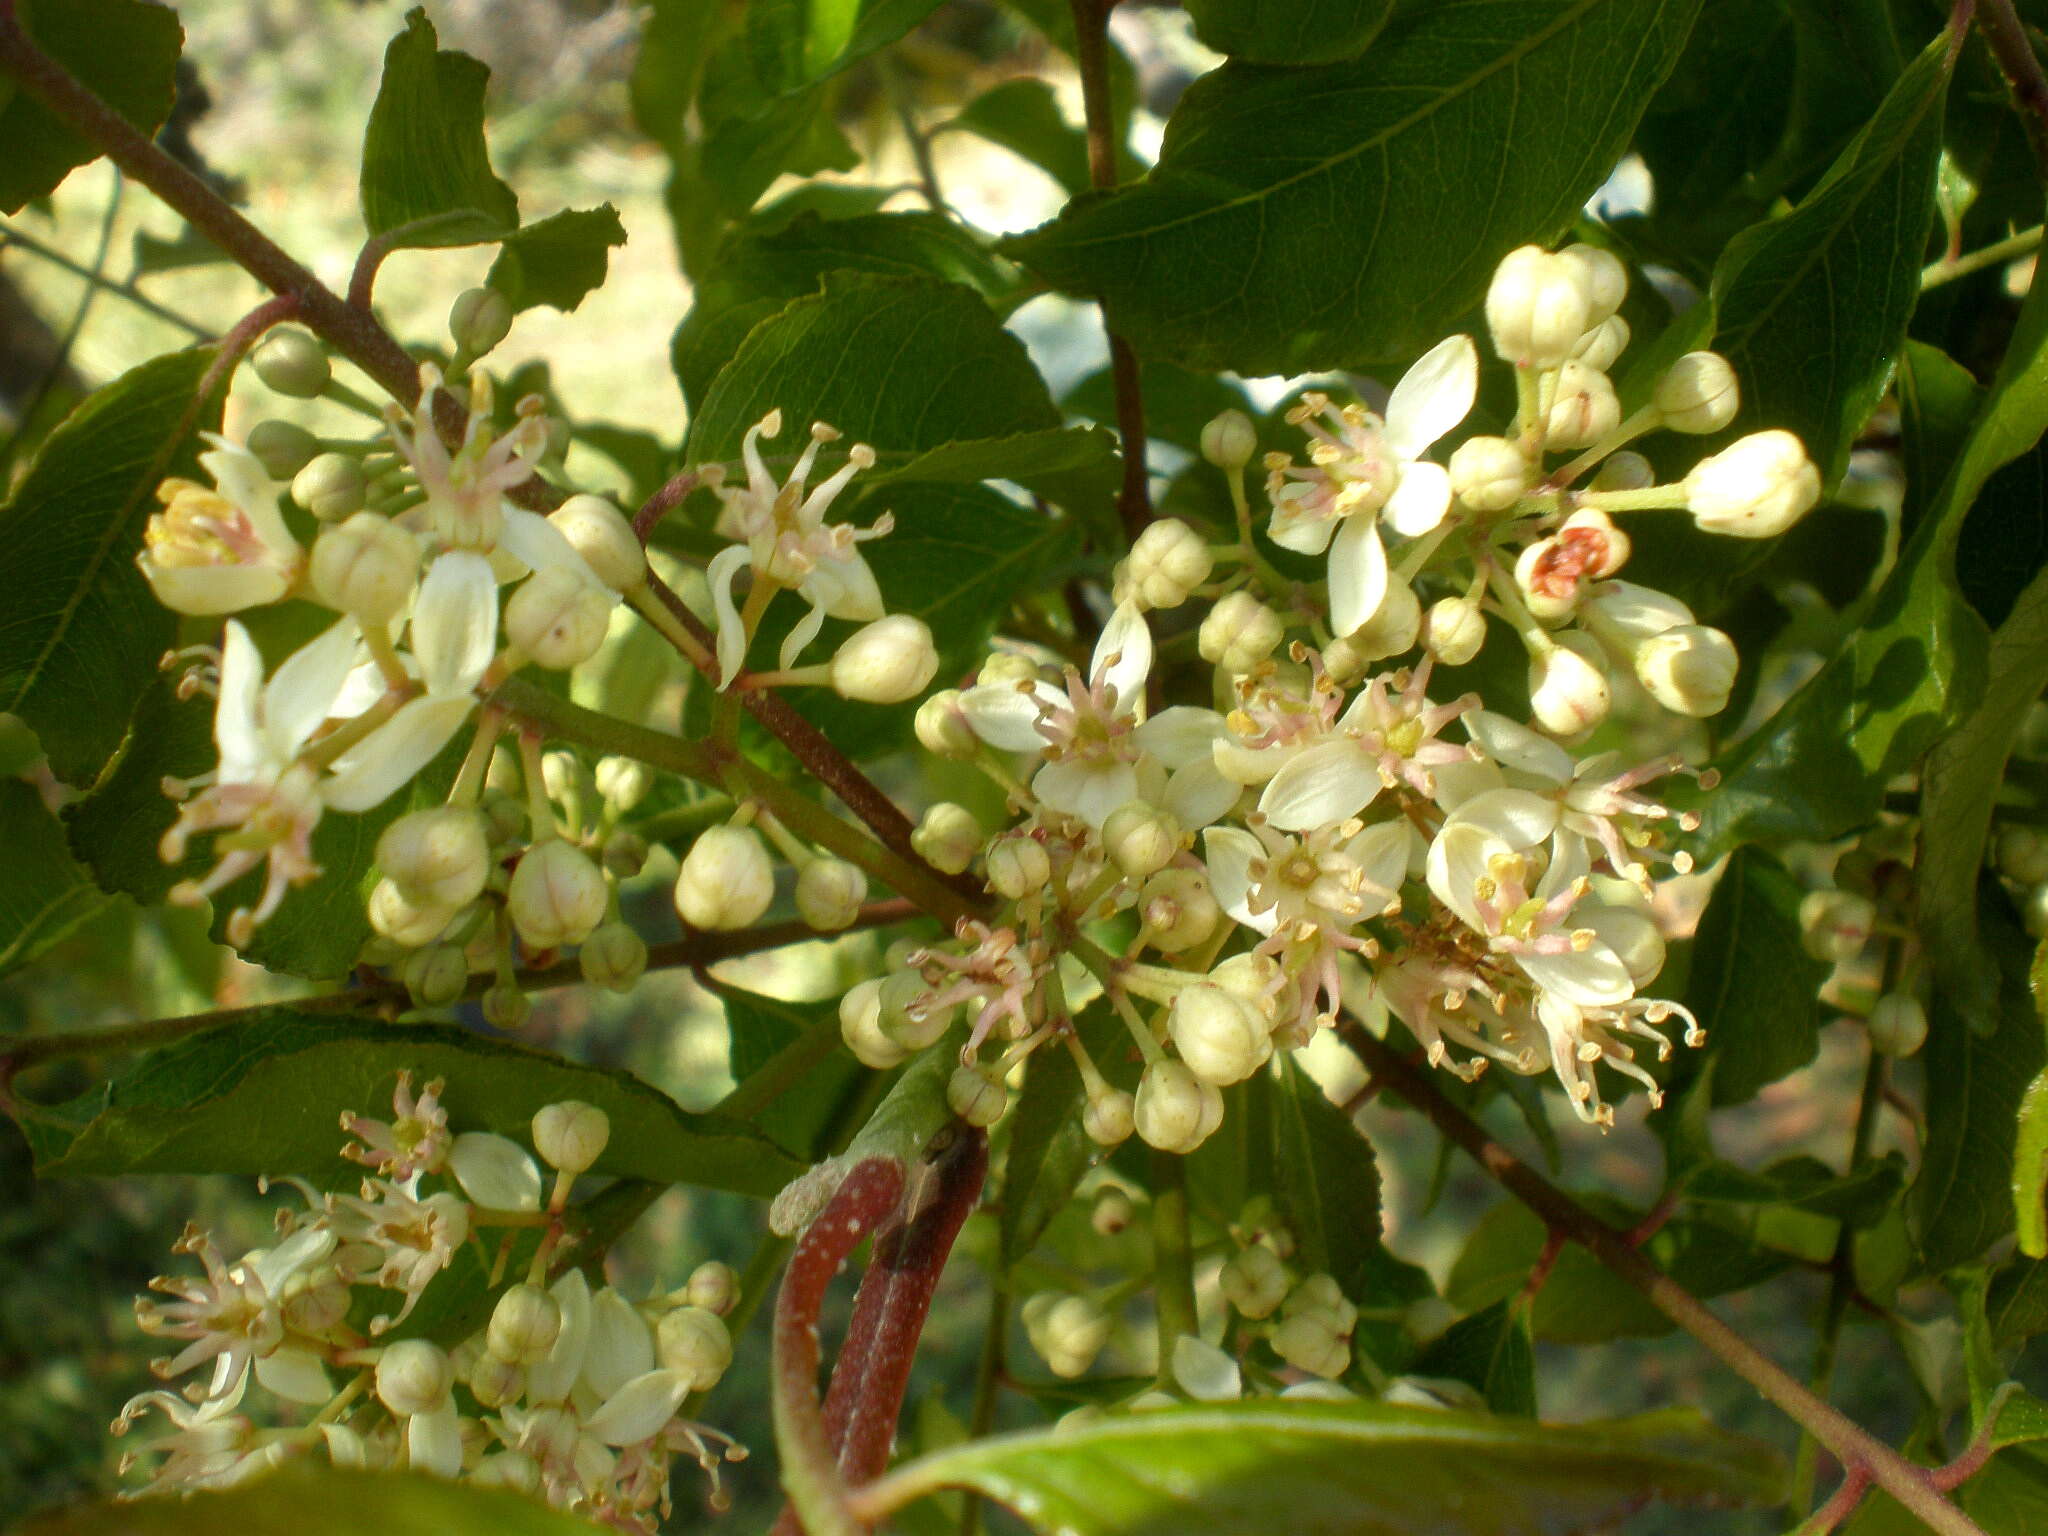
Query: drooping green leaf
<point x="1805" y="1184"/>
<point x="1289" y="31"/>
<point x="124" y="51"/>
<point x="1751" y="985"/>
<point x="1962" y="1201"/>
<point x="1342" y="1469"/>
<point x="116" y="828"/>
<point x="46" y="892"/>
<point x="675" y="41"/>
<point x="560" y="259"/>
<point x="1293" y="221"/>
<point x="1490" y="1351"/>
<point x="1326" y="1182"/>
<point x="266" y="1095"/>
<point x="792" y="1049"/>
<point x="796" y="43"/>
<point x="1024" y="117"/>
<point x="80" y="631"/>
<point x="424" y="160"/>
<point x="313" y="1500"/>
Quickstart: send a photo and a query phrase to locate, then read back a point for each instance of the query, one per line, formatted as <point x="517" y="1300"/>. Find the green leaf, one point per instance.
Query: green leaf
<point x="1325" y="1183"/>
<point x="1962" y="1201"/>
<point x="560" y="259"/>
<point x="124" y="51"/>
<point x="1023" y="116"/>
<point x="80" y="631"/>
<point x="1179" y="402"/>
<point x="1289" y="31"/>
<point x="424" y="160"/>
<point x="116" y="828"/>
<point x="1294" y="220"/>
<point x="1342" y="1469"/>
<point x="46" y="893"/>
<point x="1751" y="984"/>
<point x="2017" y="1305"/>
<point x="311" y="1500"/>
<point x="1811" y="308"/>
<point x="795" y="43"/>
<point x="1804" y="1184"/>
<point x="2030" y="1170"/>
<point x="794" y="1048"/>
<point x="264" y="1097"/>
<point x="1492" y="1352"/>
<point x="1048" y="1149"/>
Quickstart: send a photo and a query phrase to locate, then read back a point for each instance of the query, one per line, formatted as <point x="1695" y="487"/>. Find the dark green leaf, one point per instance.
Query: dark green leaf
<point x="560" y="259"/>
<point x="424" y="160"/>
<point x="793" y="1049"/>
<point x="2004" y="540"/>
<point x="46" y="892"/>
<point x="1805" y="1184"/>
<point x="1325" y="1184"/>
<point x="80" y="631"/>
<point x="2030" y="1170"/>
<point x="1289" y="31"/>
<point x="265" y="1096"/>
<point x="1490" y="1351"/>
<point x="674" y="43"/>
<point x="1179" y="402"/>
<point x="1294" y="220"/>
<point x="1048" y="1149"/>
<point x="309" y="1500"/>
<point x="795" y="43"/>
<point x="116" y="828"/>
<point x="2010" y="1496"/>
<point x="1751" y="985"/>
<point x="1342" y="1469"/>
<point x="124" y="51"/>
<point x="2017" y="1306"/>
<point x="1024" y="117"/>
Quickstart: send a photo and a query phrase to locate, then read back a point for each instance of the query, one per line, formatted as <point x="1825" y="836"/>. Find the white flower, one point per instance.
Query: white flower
<point x="224" y="549"/>
<point x="465" y="490"/>
<point x="231" y="1316"/>
<point x="1385" y="738"/>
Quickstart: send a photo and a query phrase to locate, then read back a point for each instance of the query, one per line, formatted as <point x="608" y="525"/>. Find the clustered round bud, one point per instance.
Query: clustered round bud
<point x="1601" y="277"/>
<point x="438" y="857"/>
<point x="1755" y="488"/>
<point x="947" y="837"/>
<point x="365" y="567"/>
<point x="886" y="662"/>
<point x="403" y="920"/>
<point x="1165" y="565"/>
<point x="331" y="486"/>
<point x="1389" y="629"/>
<point x="479" y="319"/>
<point x="713" y="1286"/>
<point x="557" y="617"/>
<point x="1018" y="866"/>
<point x="599" y="532"/>
<point x="860" y="1026"/>
<point x="1605" y="342"/>
<point x="1698" y="393"/>
<point x="283" y="447"/>
<point x="1624" y="471"/>
<point x="1835" y="925"/>
<point x="1180" y="909"/>
<point x="1229" y="440"/>
<point x="292" y="363"/>
<point x="413" y="1376"/>
<point x="1689" y="669"/>
<point x="1537" y="308"/>
<point x="1112" y="1211"/>
<point x="1239" y="632"/>
<point x="1141" y="839"/>
<point x="1219" y="1037"/>
<point x="436" y="975"/>
<point x="1489" y="474"/>
<point x="571" y="1136"/>
<point x="726" y="880"/>
<point x="1567" y="693"/>
<point x="942" y="728"/>
<point x="1109" y="1117"/>
<point x="1314" y="1332"/>
<point x="829" y="893"/>
<point x="1067" y="1331"/>
<point x="695" y="1343"/>
<point x="557" y="895"/>
<point x="1175" y="1110"/>
<point x="1897" y="1025"/>
<point x="1584" y="409"/>
<point x="1454" y="630"/>
<point x="493" y="1382"/>
<point x="1254" y="1281"/>
<point x="523" y="1325"/>
<point x="976" y="1097"/>
<point x="623" y="781"/>
<point x="613" y="957"/>
<point x="2022" y="853"/>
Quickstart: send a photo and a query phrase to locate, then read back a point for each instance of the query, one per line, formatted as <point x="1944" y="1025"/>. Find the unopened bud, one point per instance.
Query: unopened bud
<point x="523" y="1325"/>
<point x="829" y="893"/>
<point x="413" y="1377"/>
<point x="942" y="729"/>
<point x="557" y="895"/>
<point x="1069" y="1333"/>
<point x="1254" y="1281"/>
<point x="2022" y="853"/>
<point x="436" y="975"/>
<point x="316" y="1299"/>
<point x="726" y="880"/>
<point x="1698" y="394"/>
<point x="292" y="363"/>
<point x="1239" y="632"/>
<point x="1005" y="667"/>
<point x="1835" y="925"/>
<point x="1627" y="614"/>
<point x="1602" y="345"/>
<point x="1537" y="308"/>
<point x="1567" y="693"/>
<point x="1166" y="563"/>
<point x="599" y="532"/>
<point x="1141" y="839"/>
<point x="1109" y="1117"/>
<point x="713" y="1286"/>
<point x="479" y="319"/>
<point x="1321" y="1293"/>
<point x="1309" y="1341"/>
<point x="330" y="486"/>
<point x="557" y="617"/>
<point x="1175" y="1110"/>
<point x="1219" y="1037"/>
<point x="506" y="1007"/>
<point x="436" y="857"/>
<point x="1689" y="669"/>
<point x="1601" y="276"/>
<point x="404" y="921"/>
<point x="860" y="1026"/>
<point x="571" y="1136"/>
<point x="1624" y="471"/>
<point x="1389" y="630"/>
<point x="1179" y="909"/>
<point x="493" y="1382"/>
<point x="282" y="447"/>
<point x="1584" y="408"/>
<point x="947" y="837"/>
<point x="1897" y="1025"/>
<point x="909" y="1016"/>
<point x="623" y="781"/>
<point x="694" y="1342"/>
<point x="1453" y="630"/>
<point x="1112" y="1211"/>
<point x="1755" y="488"/>
<point x="1251" y="978"/>
<point x="365" y="567"/>
<point x="1018" y="866"/>
<point x="613" y="957"/>
<point x="1489" y="474"/>
<point x="886" y="662"/>
<point x="976" y="1097"/>
<point x="1229" y="440"/>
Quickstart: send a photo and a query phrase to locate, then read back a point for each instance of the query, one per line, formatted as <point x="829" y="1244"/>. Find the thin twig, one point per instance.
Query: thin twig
<point x="95" y="279"/>
<point x="9" y="235"/>
<point x="2014" y="50"/>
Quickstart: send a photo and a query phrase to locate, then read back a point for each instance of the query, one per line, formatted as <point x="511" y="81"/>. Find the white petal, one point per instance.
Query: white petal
<point x="1433" y="396"/>
<point x="1457" y="862"/>
<point x="540" y="544"/>
<point x="296" y="1375"/>
<point x="243" y="480"/>
<point x="801" y="634"/>
<point x="1006" y="716"/>
<point x="1123" y="657"/>
<point x="551" y="1379"/>
<point x="1513" y="745"/>
<point x="732" y="635"/>
<point x="638" y="1410"/>
<point x="1248" y="765"/>
<point x="433" y="1442"/>
<point x="1358" y="574"/>
<point x="1301" y="532"/>
<point x="1198" y="795"/>
<point x="1182" y="734"/>
<point x="455" y="622"/>
<point x="1593" y="977"/>
<point x="1420" y="500"/>
<point x="621" y="1345"/>
<point x="495" y="1171"/>
<point x="306" y="1246"/>
<point x="395" y="752"/>
<point x="363" y="687"/>
<point x="1229" y="852"/>
<point x="1205" y="1372"/>
<point x="244" y="750"/>
<point x="1570" y="860"/>
<point x="205" y="590"/>
<point x="1517" y="817"/>
<point x="1089" y="790"/>
<point x="1320" y="786"/>
<point x="346" y="1448"/>
<point x="1457" y="782"/>
<point x="845" y="587"/>
<point x="302" y="692"/>
<point x="1382" y="851"/>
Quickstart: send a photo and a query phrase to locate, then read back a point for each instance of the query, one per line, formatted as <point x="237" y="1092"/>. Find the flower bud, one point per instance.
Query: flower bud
<point x="1624" y="471"/>
<point x="886" y="662"/>
<point x="413" y="1376"/>
<point x="405" y="921"/>
<point x="292" y="363"/>
<point x="1229" y="440"/>
<point x="506" y="1007"/>
<point x="436" y="975"/>
<point x="1018" y="866"/>
<point x="1166" y="563"/>
<point x="1601" y="277"/>
<point x="976" y="1097"/>
<point x="947" y="837"/>
<point x="1254" y="1281"/>
<point x="557" y="617"/>
<point x="613" y="957"/>
<point x="282" y="447"/>
<point x="1537" y="308"/>
<point x="1391" y="629"/>
<point x="1453" y="630"/>
<point x="1835" y="925"/>
<point x="860" y="1026"/>
<point x="1109" y="1117"/>
<point x="599" y="532"/>
<point x="493" y="1382"/>
<point x="1897" y="1025"/>
<point x="713" y="1286"/>
<point x="1251" y="978"/>
<point x="436" y="857"/>
<point x="571" y="1136"/>
<point x="829" y="893"/>
<point x="623" y="781"/>
<point x="1069" y="1333"/>
<point x="1175" y="1111"/>
<point x="1310" y="1341"/>
<point x="1321" y="1293"/>
<point x="1179" y="909"/>
<point x="1239" y="632"/>
<point x="694" y="1342"/>
<point x="1627" y="614"/>
<point x="1584" y="408"/>
<point x="909" y="1017"/>
<point x="365" y="567"/>
<point x="523" y="1325"/>
<point x="316" y="1299"/>
<point x="1112" y="1211"/>
<point x="1489" y="474"/>
<point x="330" y="486"/>
<point x="942" y="729"/>
<point x="1548" y="577"/>
<point x="1689" y="669"/>
<point x="478" y="320"/>
<point x="1698" y="393"/>
<point x="1000" y="667"/>
<point x="557" y="895"/>
<point x="726" y="880"/>
<point x="1603" y="344"/>
<point x="1219" y="1037"/>
<point x="2022" y="853"/>
<point x="1755" y="488"/>
<point x="1141" y="839"/>
<point x="1567" y="693"/>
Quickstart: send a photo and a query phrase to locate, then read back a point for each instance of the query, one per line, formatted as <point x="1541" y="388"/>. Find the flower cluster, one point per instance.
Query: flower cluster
<point x="567" y="1393"/>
